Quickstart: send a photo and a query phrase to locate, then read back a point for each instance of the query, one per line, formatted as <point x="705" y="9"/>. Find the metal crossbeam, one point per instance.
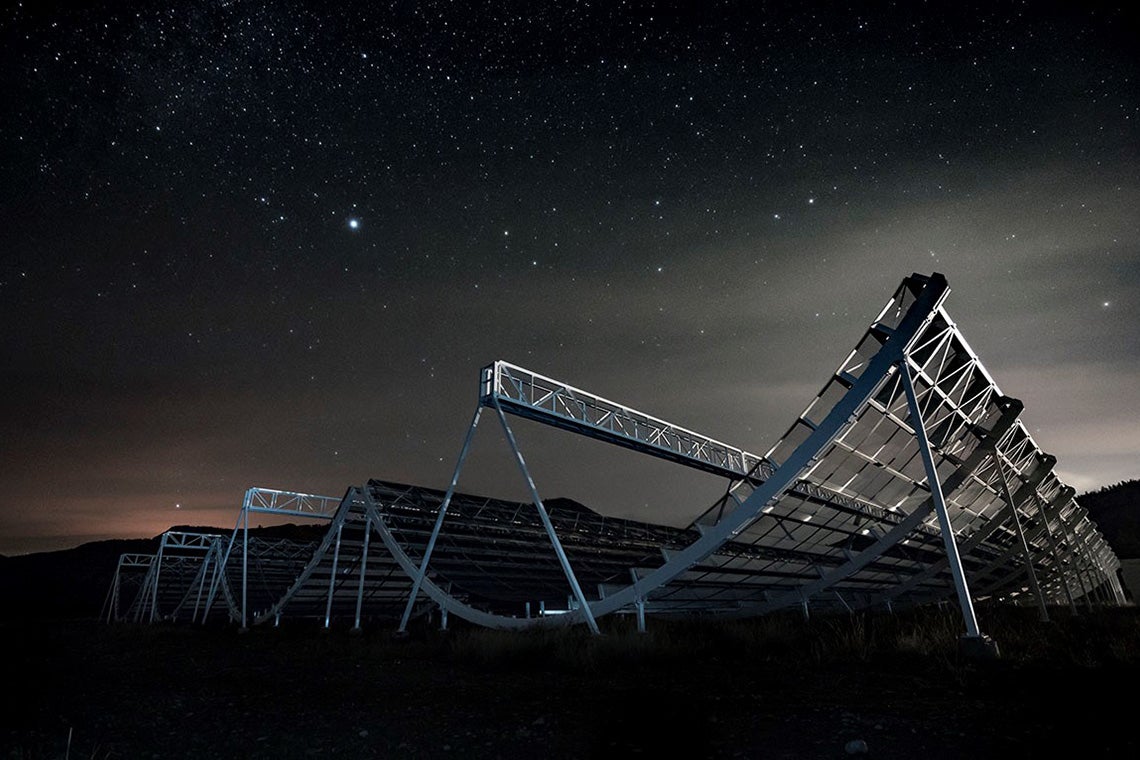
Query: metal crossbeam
<point x="528" y="394"/>
<point x="272" y="501"/>
<point x="267" y="501"/>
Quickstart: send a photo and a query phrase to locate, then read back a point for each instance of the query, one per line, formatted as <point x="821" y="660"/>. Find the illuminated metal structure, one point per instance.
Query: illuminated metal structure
<point x="909" y="479"/>
<point x="909" y="473"/>
<point x="171" y="583"/>
<point x="131" y="572"/>
<point x="274" y="562"/>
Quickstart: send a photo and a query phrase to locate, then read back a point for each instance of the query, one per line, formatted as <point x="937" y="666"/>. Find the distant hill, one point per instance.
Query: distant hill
<point x="1116" y="512"/>
<point x="73" y="583"/>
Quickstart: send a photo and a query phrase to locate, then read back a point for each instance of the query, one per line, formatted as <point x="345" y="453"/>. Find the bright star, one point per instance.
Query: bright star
<point x="354" y="224"/>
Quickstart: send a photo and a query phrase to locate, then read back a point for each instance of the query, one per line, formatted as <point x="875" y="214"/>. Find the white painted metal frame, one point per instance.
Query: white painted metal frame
<point x="910" y="451"/>
<point x="274" y="502"/>
<point x="912" y="339"/>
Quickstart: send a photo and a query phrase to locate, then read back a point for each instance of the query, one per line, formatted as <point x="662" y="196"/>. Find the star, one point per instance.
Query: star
<point x="354" y="224"/>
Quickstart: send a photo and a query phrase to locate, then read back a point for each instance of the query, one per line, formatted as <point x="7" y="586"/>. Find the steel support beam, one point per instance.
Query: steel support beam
<point x="1009" y="410"/>
<point x="1057" y="562"/>
<point x="421" y="573"/>
<point x="154" y="582"/>
<point x="363" y="570"/>
<point x="563" y="560"/>
<point x="955" y="561"/>
<point x="201" y="584"/>
<point x="245" y="559"/>
<point x="1011" y="504"/>
<point x="332" y="575"/>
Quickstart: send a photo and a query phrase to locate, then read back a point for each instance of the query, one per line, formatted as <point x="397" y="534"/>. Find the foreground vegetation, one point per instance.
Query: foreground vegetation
<point x="775" y="687"/>
<point x="1107" y="638"/>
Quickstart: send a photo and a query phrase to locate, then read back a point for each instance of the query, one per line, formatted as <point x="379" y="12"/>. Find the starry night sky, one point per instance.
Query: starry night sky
<point x="247" y="243"/>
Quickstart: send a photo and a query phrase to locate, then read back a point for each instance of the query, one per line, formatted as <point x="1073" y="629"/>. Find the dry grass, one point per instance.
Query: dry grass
<point x="1104" y="639"/>
<point x="777" y="686"/>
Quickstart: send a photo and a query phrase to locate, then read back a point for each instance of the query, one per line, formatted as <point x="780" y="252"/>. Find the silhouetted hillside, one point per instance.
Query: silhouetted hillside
<point x="73" y="583"/>
<point x="1116" y="512"/>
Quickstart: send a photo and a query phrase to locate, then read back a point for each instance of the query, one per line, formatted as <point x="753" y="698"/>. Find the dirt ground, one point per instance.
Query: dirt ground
<point x="186" y="692"/>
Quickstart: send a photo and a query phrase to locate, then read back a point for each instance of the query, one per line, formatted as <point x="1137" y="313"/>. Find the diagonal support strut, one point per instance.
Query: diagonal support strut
<point x="960" y="584"/>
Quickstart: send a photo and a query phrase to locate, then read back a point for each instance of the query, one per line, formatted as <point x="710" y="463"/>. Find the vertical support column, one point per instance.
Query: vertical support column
<point x="1075" y="559"/>
<point x="202" y="583"/>
<point x="1078" y="572"/>
<point x="944" y="524"/>
<point x="1093" y="573"/>
<point x="114" y="600"/>
<point x="219" y="566"/>
<point x="1110" y="598"/>
<point x="332" y="575"/>
<point x="1114" y="579"/>
<point x="157" y="572"/>
<point x="1118" y="590"/>
<point x="113" y="603"/>
<point x="1077" y="548"/>
<point x="245" y="558"/>
<point x="419" y="579"/>
<point x="558" y="550"/>
<point x="442" y="618"/>
<point x="141" y="602"/>
<point x="363" y="569"/>
<point x="1104" y="588"/>
<point x="1011" y="503"/>
<point x="1088" y="570"/>
<point x="638" y="600"/>
<point x="1042" y="509"/>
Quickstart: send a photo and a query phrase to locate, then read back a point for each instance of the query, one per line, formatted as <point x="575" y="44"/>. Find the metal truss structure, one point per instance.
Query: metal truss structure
<point x="274" y="563"/>
<point x="131" y="572"/>
<point x="908" y="474"/>
<point x="909" y="479"/>
<point x="171" y="583"/>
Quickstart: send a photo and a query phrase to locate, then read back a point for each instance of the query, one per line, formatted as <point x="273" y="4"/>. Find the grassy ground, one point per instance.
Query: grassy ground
<point x="776" y="687"/>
